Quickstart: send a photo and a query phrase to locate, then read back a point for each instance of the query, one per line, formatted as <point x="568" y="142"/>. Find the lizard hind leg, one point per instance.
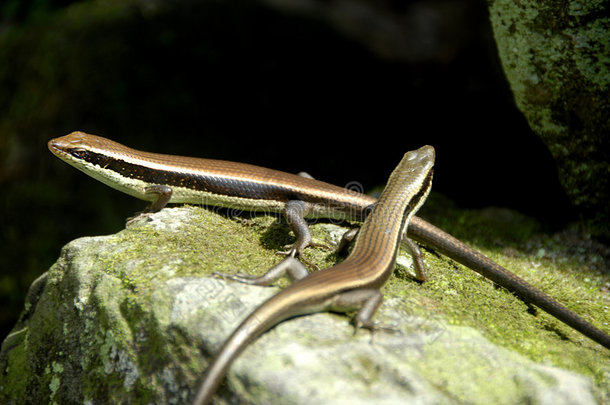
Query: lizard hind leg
<point x="294" y="212"/>
<point x="290" y="266"/>
<point x="366" y="301"/>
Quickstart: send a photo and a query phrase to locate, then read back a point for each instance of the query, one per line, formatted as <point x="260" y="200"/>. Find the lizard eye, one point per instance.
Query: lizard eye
<point x="79" y="153"/>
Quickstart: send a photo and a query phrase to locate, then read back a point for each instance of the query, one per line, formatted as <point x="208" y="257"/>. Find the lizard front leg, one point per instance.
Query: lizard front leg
<point x="161" y="196"/>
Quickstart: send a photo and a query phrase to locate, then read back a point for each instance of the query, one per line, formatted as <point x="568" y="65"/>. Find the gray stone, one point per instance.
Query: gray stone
<point x="135" y="317"/>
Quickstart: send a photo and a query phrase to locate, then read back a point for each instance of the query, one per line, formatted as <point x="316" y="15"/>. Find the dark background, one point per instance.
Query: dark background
<point x="248" y="82"/>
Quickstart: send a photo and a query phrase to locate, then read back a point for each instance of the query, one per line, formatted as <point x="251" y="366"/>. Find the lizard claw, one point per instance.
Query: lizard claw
<point x="293" y="252"/>
<point x="235" y="277"/>
<point x="374" y="327"/>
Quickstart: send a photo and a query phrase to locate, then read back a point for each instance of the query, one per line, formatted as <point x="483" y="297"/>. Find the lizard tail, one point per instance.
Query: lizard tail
<point x="258" y="322"/>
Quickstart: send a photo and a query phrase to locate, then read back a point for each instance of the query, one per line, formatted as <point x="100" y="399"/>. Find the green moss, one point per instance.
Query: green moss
<point x="16" y="364"/>
<point x="114" y="344"/>
<point x="458" y="296"/>
<point x="210" y="243"/>
<point x="556" y="57"/>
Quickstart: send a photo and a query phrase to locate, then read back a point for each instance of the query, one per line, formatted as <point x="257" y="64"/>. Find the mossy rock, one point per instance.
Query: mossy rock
<point x="556" y="56"/>
<point x="135" y="317"/>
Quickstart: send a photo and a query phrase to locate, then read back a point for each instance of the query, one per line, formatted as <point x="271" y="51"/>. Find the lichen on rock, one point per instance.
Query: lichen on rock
<point x="134" y="317"/>
<point x="556" y="57"/>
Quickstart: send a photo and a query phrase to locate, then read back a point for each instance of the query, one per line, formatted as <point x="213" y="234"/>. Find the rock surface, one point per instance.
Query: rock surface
<point x="556" y="56"/>
<point x="135" y="317"/>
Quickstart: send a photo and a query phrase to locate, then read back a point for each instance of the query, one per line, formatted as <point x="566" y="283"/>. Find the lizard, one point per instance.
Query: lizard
<point x="162" y="178"/>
